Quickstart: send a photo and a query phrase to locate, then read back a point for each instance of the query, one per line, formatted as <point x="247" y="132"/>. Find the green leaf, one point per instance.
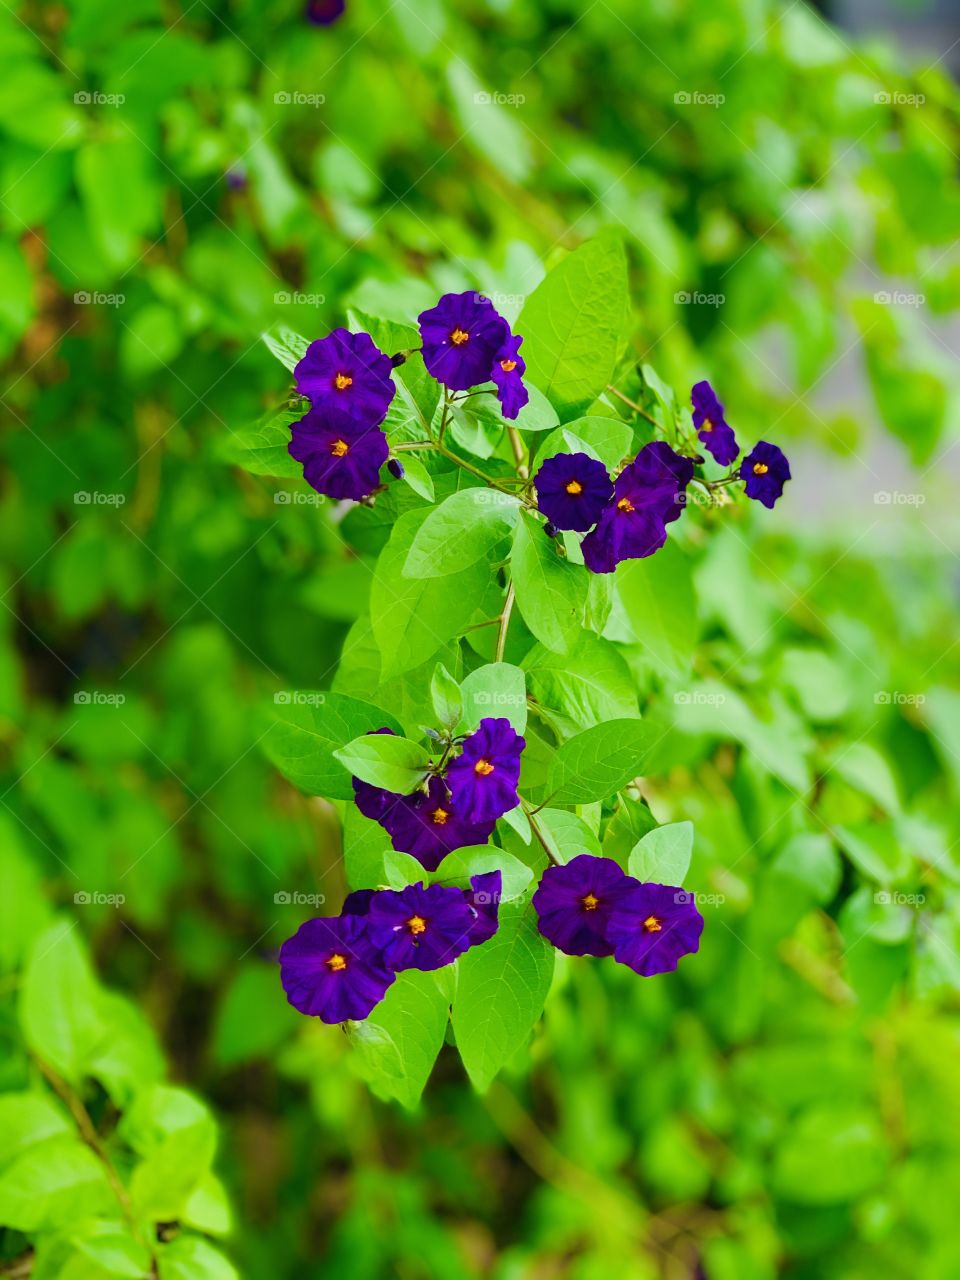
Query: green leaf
<point x="458" y="867"/>
<point x="501" y="989"/>
<point x="288" y="347"/>
<point x="416" y="475"/>
<point x="551" y="592"/>
<point x="26" y="1119"/>
<point x="397" y="1045"/>
<point x="831" y="1154"/>
<point x="607" y="439"/>
<point x="262" y="448"/>
<point x="598" y="762"/>
<point x="572" y="324"/>
<point x="364" y="845"/>
<point x="385" y="760"/>
<point x="307" y="729"/>
<point x="52" y="1183"/>
<point x="663" y="855"/>
<point x="190" y="1258"/>
<point x="488" y="126"/>
<point x="465" y="528"/>
<point x="446" y="696"/>
<point x="657" y="598"/>
<point x="589" y="685"/>
<point x="111" y="1246"/>
<point x="60" y="1002"/>
<point x="497" y="689"/>
<point x="414" y="617"/>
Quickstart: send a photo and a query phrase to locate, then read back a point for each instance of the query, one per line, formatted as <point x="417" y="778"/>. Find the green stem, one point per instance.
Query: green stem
<point x="634" y="406"/>
<point x="529" y="810"/>
<point x="505" y="622"/>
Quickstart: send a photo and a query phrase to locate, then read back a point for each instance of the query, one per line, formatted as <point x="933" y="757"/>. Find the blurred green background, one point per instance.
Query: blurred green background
<point x="176" y="177"/>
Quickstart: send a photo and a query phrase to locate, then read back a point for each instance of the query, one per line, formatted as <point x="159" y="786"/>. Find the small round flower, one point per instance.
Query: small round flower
<point x="508" y="370"/>
<point x="652" y="926"/>
<point x="461" y="337"/>
<point x="572" y="490"/>
<point x="483" y="779"/>
<point x="322" y="13"/>
<point x="421" y="927"/>
<point x="648" y="495"/>
<point x="574" y="904"/>
<point x="483" y="897"/>
<point x="332" y="970"/>
<point x="395" y="467"/>
<point x="340" y="458"/>
<point x="713" y="430"/>
<point x="428" y="825"/>
<point x="349" y="373"/>
<point x="765" y="470"/>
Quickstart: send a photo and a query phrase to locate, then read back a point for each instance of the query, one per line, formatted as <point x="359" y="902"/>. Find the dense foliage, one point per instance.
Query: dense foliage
<point x="771" y="699"/>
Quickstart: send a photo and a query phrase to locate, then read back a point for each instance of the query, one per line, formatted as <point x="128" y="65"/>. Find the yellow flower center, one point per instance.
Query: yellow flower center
<point x="459" y="336"/>
<point x="590" y="902"/>
<point x="439" y="816"/>
<point x="574" y="487"/>
<point x="652" y="924"/>
<point x="508" y="366"/>
<point x="707" y="425"/>
<point x="483" y="767"/>
<point x="760" y="468"/>
<point x="339" y="448"/>
<point x="417" y="925"/>
<point x="625" y="505"/>
<point x="336" y="962"/>
<point x="342" y="381"/>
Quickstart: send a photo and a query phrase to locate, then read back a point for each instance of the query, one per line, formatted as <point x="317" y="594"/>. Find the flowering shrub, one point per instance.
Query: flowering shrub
<point x="500" y="472"/>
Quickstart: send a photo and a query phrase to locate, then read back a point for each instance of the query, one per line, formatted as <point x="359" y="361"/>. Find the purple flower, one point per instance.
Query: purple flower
<point x="508" y="370"/>
<point x="648" y="495"/>
<point x="340" y="457"/>
<point x="347" y="372"/>
<point x="483" y="779"/>
<point x="483" y="897"/>
<point x="766" y="471"/>
<point x="652" y="926"/>
<point x="461" y="337"/>
<point x="332" y="970"/>
<point x="421" y="927"/>
<point x="428" y="825"/>
<point x="324" y="12"/>
<point x="712" y="427"/>
<point x="574" y="904"/>
<point x="572" y="490"/>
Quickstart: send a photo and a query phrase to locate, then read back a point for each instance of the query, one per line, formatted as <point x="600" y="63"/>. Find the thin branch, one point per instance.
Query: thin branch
<point x="633" y="405"/>
<point x="505" y="622"/>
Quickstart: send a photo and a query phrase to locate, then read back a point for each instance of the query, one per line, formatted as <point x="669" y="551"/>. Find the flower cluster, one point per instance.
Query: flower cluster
<point x="347" y="380"/>
<point x="591" y="907"/>
<point x="339" y="968"/>
<point x="765" y="470"/>
<point x="466" y="342"/>
<point x="629" y="515"/>
<point x="459" y="804"/>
